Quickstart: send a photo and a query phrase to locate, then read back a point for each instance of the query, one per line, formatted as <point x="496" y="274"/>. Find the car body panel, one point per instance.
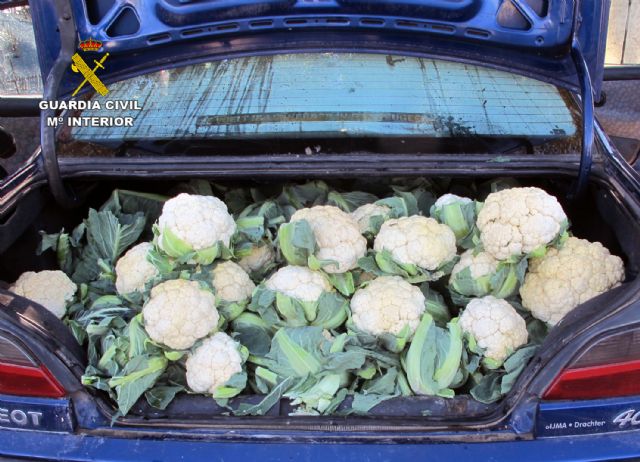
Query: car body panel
<point x="80" y="447"/>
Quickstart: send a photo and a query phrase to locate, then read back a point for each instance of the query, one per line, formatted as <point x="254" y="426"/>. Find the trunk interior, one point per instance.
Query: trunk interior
<point x="600" y="216"/>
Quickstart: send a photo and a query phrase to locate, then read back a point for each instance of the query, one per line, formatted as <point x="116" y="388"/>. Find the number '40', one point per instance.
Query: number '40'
<point x="629" y="417"/>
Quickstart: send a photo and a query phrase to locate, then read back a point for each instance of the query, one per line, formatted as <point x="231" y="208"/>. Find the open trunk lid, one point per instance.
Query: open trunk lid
<point x="560" y="42"/>
<point x="538" y="38"/>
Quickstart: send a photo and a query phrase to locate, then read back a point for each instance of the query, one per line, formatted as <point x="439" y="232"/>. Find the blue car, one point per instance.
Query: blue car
<point x="144" y="94"/>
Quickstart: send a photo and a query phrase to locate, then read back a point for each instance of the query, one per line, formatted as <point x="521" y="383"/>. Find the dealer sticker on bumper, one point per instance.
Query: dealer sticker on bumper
<point x="586" y="417"/>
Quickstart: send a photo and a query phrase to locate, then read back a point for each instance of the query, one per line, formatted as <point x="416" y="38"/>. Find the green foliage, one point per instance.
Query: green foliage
<point x="435" y="305"/>
<point x="297" y="242"/>
<point x="253" y="332"/>
<point x="382" y="264"/>
<point x="460" y="216"/>
<point x="329" y="311"/>
<point x="497" y="383"/>
<point x="183" y="252"/>
<point x="307" y="352"/>
<point x="503" y="283"/>
<point x="316" y="370"/>
<point x="94" y="246"/>
<point x="433" y="358"/>
<point x="349" y="201"/>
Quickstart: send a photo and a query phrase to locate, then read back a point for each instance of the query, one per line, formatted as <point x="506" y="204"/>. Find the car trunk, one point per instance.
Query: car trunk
<point x="603" y="215"/>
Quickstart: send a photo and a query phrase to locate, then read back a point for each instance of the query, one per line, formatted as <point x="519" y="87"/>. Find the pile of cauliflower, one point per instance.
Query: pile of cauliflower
<point x="225" y="300"/>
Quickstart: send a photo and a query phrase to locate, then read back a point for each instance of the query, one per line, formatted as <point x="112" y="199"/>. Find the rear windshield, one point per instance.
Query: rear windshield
<point x="331" y="95"/>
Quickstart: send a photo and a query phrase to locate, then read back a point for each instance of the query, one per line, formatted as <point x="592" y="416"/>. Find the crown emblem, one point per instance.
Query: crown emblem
<point x="90" y="45"/>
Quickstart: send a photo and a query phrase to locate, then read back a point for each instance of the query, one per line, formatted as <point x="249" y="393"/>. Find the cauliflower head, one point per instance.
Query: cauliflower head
<point x="480" y="264"/>
<point x="133" y="270"/>
<point x="459" y="214"/>
<point x="179" y="312"/>
<point x="562" y="279"/>
<point x="496" y="326"/>
<point x="517" y="221"/>
<point x="51" y="289"/>
<point x="386" y="305"/>
<point x="477" y="275"/>
<point x="196" y="222"/>
<point x="259" y="258"/>
<point x="337" y="236"/>
<point x="363" y="214"/>
<point x="232" y="283"/>
<point x="299" y="282"/>
<point x="417" y="240"/>
<point x="448" y="199"/>
<point x="213" y="363"/>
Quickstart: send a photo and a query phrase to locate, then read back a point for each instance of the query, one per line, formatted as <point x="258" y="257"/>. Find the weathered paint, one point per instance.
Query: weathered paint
<point x="334" y="93"/>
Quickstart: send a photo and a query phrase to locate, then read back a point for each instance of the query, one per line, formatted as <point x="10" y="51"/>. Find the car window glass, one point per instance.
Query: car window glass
<point x="327" y="94"/>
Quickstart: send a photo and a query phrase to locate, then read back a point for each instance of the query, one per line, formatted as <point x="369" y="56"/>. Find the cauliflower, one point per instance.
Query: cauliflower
<point x="337" y="236"/>
<point x="495" y="325"/>
<point x="299" y="282"/>
<point x="418" y="241"/>
<point x="386" y="305"/>
<point x="51" y="289"/>
<point x="180" y="312"/>
<point x="191" y="223"/>
<point x="480" y="274"/>
<point x="133" y="270"/>
<point x="213" y="363"/>
<point x="565" y="278"/>
<point x="459" y="214"/>
<point x="232" y="283"/>
<point x="517" y="221"/>
<point x="480" y="264"/>
<point x="363" y="214"/>
<point x="450" y="199"/>
<point x="259" y="258"/>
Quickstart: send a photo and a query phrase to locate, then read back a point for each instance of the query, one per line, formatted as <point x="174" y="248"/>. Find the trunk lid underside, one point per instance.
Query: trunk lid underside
<point x="142" y="36"/>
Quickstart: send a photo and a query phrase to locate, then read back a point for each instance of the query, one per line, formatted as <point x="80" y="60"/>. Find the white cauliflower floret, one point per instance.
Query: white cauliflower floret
<point x="133" y="270"/>
<point x="386" y="305"/>
<point x="417" y="240"/>
<point x="199" y="221"/>
<point x="516" y="221"/>
<point x="213" y="363"/>
<point x="480" y="265"/>
<point x="51" y="289"/>
<point x="448" y="199"/>
<point x="565" y="278"/>
<point x="259" y="258"/>
<point x="232" y="283"/>
<point x="337" y="236"/>
<point x="180" y="312"/>
<point x="496" y="326"/>
<point x="364" y="213"/>
<point x="299" y="282"/>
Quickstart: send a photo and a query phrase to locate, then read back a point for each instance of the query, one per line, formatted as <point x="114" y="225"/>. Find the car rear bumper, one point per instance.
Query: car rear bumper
<point x="79" y="447"/>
